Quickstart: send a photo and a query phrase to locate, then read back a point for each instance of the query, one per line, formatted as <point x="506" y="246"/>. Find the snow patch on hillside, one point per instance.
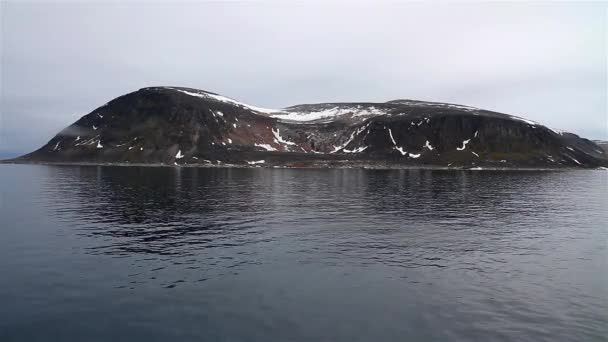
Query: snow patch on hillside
<point x="390" y="133"/>
<point x="225" y="99"/>
<point x="352" y="136"/>
<point x="356" y="150"/>
<point x="464" y="145"/>
<point x="433" y="104"/>
<point x="280" y="139"/>
<point x="266" y="147"/>
<point x="256" y="162"/>
<point x="401" y="150"/>
<point x="529" y="122"/>
<point x="336" y="111"/>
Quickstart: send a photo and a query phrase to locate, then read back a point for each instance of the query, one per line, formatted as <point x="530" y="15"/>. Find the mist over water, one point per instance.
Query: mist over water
<point x="146" y="254"/>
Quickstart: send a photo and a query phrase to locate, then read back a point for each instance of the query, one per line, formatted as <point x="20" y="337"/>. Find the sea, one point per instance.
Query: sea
<point x="101" y="253"/>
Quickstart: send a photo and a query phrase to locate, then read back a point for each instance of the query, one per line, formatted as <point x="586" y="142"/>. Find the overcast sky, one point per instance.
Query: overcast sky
<point x="546" y="62"/>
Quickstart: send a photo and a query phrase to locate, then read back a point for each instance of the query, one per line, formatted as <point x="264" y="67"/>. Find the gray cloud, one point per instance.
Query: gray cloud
<point x="543" y="61"/>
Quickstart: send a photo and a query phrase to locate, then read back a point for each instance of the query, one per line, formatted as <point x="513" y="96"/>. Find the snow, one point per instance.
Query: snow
<point x="458" y="106"/>
<point x="390" y="133"/>
<point x="422" y="121"/>
<point x="400" y="149"/>
<point x="89" y="141"/>
<point x="529" y="122"/>
<point x="219" y="113"/>
<point x="556" y="131"/>
<point x="403" y="152"/>
<point x="603" y="168"/>
<point x="338" y="148"/>
<point x="280" y="139"/>
<point x="266" y="146"/>
<point x="229" y="141"/>
<point x="100" y="116"/>
<point x="475" y="135"/>
<point x="576" y="161"/>
<point x="570" y="148"/>
<point x="234" y="125"/>
<point x="357" y="150"/>
<point x="435" y="104"/>
<point x="227" y="100"/>
<point x="99" y="144"/>
<point x="428" y="145"/>
<point x="141" y="148"/>
<point x="333" y="112"/>
<point x="464" y="145"/>
<point x="476" y="168"/>
<point x="130" y="147"/>
<point x="352" y="136"/>
<point x="256" y="162"/>
<point x="56" y="145"/>
<point x="77" y="138"/>
<point x="179" y="155"/>
<point x="477" y="155"/>
<point x="94" y="128"/>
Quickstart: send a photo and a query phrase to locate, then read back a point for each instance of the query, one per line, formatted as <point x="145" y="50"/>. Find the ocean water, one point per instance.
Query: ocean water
<point x="167" y="254"/>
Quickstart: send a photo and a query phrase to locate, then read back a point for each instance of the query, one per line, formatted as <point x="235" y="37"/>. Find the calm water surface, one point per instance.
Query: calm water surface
<point x="166" y="254"/>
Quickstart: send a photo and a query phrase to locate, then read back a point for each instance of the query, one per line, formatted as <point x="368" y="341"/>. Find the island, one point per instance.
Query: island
<point x="188" y="127"/>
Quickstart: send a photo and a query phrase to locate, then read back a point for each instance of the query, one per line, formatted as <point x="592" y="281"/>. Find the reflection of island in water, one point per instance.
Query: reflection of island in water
<point x="173" y="211"/>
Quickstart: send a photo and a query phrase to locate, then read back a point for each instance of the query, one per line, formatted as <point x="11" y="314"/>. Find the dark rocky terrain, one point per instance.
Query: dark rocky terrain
<point x="182" y="126"/>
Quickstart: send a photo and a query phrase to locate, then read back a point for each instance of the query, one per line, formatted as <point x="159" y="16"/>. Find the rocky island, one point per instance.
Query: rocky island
<point x="190" y="127"/>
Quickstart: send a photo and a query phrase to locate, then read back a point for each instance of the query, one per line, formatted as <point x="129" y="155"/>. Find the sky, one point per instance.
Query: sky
<point x="543" y="61"/>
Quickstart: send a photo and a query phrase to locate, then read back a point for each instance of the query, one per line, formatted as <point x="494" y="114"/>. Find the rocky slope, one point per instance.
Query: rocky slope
<point x="183" y="126"/>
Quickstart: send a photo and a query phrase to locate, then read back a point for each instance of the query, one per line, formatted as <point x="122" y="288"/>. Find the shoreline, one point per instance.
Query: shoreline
<point x="313" y="167"/>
